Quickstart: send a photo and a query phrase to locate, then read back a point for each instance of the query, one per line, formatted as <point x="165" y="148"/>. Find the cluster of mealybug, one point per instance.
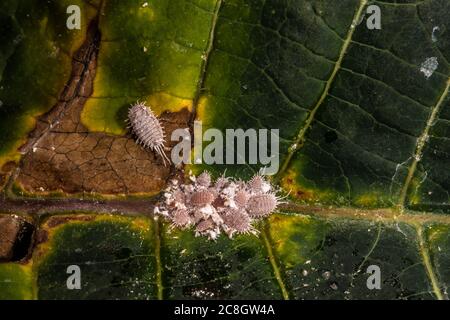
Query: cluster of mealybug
<point x="226" y="205"/>
<point x="147" y="129"/>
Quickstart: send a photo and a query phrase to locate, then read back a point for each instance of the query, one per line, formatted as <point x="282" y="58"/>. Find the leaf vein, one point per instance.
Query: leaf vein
<point x="327" y="88"/>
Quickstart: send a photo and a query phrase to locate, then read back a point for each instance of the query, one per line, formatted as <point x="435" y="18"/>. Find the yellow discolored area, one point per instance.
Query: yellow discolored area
<point x="16" y="282"/>
<point x="202" y="116"/>
<point x="54" y="223"/>
<point x="373" y="199"/>
<point x="36" y="66"/>
<point x="414" y="197"/>
<point x="28" y="122"/>
<point x="201" y="110"/>
<point x="295" y="237"/>
<point x="109" y="114"/>
<point x="291" y="184"/>
<point x="145" y="56"/>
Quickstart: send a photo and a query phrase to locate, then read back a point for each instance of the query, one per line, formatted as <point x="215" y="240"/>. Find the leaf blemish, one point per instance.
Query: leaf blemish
<point x="429" y="66"/>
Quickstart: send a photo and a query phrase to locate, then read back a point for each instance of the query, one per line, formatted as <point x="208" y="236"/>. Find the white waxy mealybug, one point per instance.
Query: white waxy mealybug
<point x="204" y="180"/>
<point x="198" y="216"/>
<point x="181" y="218"/>
<point x="228" y="205"/>
<point x="238" y="221"/>
<point x="179" y="197"/>
<point x="262" y="205"/>
<point x="221" y="182"/>
<point x="241" y="198"/>
<point x="204" y="225"/>
<point x="202" y="198"/>
<point x="147" y="128"/>
<point x="258" y="184"/>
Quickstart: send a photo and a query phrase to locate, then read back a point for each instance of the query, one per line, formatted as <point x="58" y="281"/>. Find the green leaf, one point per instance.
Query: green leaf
<point x="364" y="129"/>
<point x="265" y="70"/>
<point x="197" y="268"/>
<point x="16" y="282"/>
<point x="437" y="235"/>
<point x="368" y="133"/>
<point x="330" y="259"/>
<point x="115" y="256"/>
<point x="295" y="257"/>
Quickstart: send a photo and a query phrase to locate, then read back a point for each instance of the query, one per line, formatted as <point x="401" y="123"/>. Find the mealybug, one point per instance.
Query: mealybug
<point x="262" y="205"/>
<point x="147" y="128"/>
<point x="202" y="198"/>
<point x="227" y="205"/>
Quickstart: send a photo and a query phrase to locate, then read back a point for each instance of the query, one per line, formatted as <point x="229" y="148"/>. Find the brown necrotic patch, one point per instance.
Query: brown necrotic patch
<point x="16" y="237"/>
<point x="76" y="162"/>
<point x="62" y="156"/>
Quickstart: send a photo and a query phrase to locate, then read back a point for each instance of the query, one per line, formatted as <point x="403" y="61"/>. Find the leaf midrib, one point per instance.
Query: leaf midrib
<point x="420" y="145"/>
<point x="428" y="265"/>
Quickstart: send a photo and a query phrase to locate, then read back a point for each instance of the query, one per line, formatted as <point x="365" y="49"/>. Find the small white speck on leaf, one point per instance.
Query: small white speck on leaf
<point x="429" y="66"/>
<point x="433" y="34"/>
<point x="293" y="147"/>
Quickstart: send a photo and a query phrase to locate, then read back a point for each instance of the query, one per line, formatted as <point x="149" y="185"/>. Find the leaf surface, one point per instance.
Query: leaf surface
<point x="364" y="145"/>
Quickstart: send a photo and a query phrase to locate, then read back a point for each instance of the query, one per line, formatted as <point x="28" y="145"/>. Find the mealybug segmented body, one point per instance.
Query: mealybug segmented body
<point x="147" y="128"/>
